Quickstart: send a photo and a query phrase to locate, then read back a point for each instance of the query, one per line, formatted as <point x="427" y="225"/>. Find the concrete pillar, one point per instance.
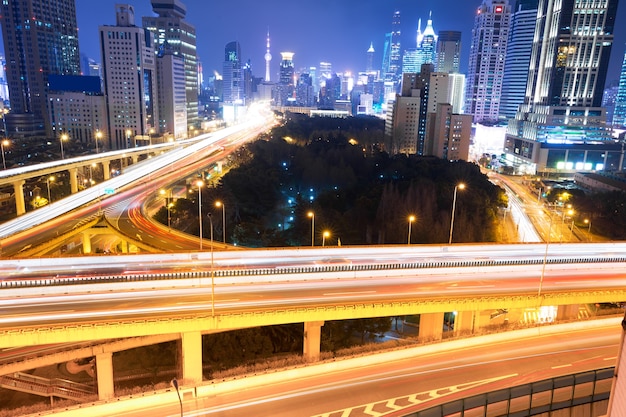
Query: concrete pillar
<point x="481" y="319"/>
<point x="18" y="191"/>
<point x="74" y="180"/>
<point x="86" y="242"/>
<point x="431" y="326"/>
<point x="106" y="169"/>
<point x="312" y="340"/>
<point x="124" y="246"/>
<point x="464" y="322"/>
<point x="192" y="357"/>
<point x="135" y="158"/>
<point x="104" y="373"/>
<point x="567" y="312"/>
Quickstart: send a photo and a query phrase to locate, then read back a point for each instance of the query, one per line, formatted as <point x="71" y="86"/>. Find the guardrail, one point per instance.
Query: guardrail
<point x="222" y="272"/>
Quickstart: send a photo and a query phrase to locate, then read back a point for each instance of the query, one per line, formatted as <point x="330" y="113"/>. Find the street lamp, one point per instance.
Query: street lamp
<point x="587" y="221"/>
<point x="459" y="186"/>
<point x="5" y="142"/>
<point x="212" y="274"/>
<point x="98" y="137"/>
<point x="168" y="206"/>
<point x="312" y="216"/>
<point x="324" y="236"/>
<point x="200" y="184"/>
<point x="50" y="178"/>
<point x="411" y="220"/>
<point x="64" y="137"/>
<point x="128" y="133"/>
<point x="220" y="204"/>
<point x="545" y="259"/>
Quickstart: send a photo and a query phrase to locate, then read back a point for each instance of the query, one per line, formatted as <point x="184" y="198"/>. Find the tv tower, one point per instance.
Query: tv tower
<point x="268" y="58"/>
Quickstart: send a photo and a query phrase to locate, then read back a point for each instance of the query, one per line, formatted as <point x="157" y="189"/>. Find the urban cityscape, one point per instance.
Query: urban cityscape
<point x="288" y="210"/>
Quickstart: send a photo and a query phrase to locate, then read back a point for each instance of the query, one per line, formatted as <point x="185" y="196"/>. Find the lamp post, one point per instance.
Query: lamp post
<point x="545" y="259"/>
<point x="312" y="216"/>
<point x="167" y="205"/>
<point x="128" y="133"/>
<point x="459" y="186"/>
<point x="64" y="137"/>
<point x="200" y="184"/>
<point x="324" y="236"/>
<point x="50" y="178"/>
<point x="5" y="142"/>
<point x="587" y="221"/>
<point x="212" y="274"/>
<point x="174" y="383"/>
<point x="411" y="220"/>
<point x="220" y="204"/>
<point x="98" y="137"/>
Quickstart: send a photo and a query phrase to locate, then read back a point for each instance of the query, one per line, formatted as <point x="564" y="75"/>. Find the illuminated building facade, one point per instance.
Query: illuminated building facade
<point x="233" y="87"/>
<point x="40" y="38"/>
<point x="171" y="30"/>
<point x="561" y="126"/>
<point x="130" y="82"/>
<point x="486" y="61"/>
<point x="448" y="55"/>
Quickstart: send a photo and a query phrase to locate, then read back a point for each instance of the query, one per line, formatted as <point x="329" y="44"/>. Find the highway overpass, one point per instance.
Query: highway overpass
<point x="97" y="298"/>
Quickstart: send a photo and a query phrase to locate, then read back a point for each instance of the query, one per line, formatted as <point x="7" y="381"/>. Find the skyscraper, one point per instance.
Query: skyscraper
<point x="448" y="51"/>
<point x="130" y="83"/>
<point x="40" y="38"/>
<point x="561" y="127"/>
<point x="370" y="58"/>
<point x="233" y="88"/>
<point x="395" y="50"/>
<point x="619" y="115"/>
<point x="486" y="61"/>
<point x="523" y="22"/>
<point x="171" y="30"/>
<point x="426" y="44"/>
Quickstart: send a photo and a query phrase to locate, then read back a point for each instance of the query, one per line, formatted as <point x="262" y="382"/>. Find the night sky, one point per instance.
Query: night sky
<point x="336" y="31"/>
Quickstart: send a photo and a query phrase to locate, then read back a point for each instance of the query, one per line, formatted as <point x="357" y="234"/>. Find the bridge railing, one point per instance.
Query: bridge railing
<point x="344" y="267"/>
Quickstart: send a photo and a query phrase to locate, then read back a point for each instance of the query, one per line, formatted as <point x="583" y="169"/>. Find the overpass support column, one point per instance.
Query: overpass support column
<point x="106" y="170"/>
<point x="18" y="190"/>
<point x="104" y="373"/>
<point x="464" y="322"/>
<point x="135" y="158"/>
<point x="431" y="326"/>
<point x="86" y="242"/>
<point x="74" y="180"/>
<point x="192" y="357"/>
<point x="312" y="340"/>
<point x="567" y="312"/>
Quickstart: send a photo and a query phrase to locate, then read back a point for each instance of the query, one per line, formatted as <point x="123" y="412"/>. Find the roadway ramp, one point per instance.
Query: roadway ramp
<point x="23" y="382"/>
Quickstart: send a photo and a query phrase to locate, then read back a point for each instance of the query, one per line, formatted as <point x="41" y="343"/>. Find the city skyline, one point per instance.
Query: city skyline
<point x="307" y="32"/>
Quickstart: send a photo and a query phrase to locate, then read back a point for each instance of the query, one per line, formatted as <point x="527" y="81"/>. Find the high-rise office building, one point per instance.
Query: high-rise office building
<point x="369" y="67"/>
<point x="170" y="28"/>
<point x="233" y="88"/>
<point x="619" y="115"/>
<point x="519" y="48"/>
<point x="486" y="61"/>
<point x="40" y="38"/>
<point x="395" y="50"/>
<point x="285" y="89"/>
<point x="561" y="126"/>
<point x="171" y="83"/>
<point x="426" y="44"/>
<point x="448" y="56"/>
<point x="130" y="83"/>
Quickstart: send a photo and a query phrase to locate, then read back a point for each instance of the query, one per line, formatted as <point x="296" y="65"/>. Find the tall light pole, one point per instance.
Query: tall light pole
<point x="200" y="184"/>
<point x="5" y="142"/>
<point x="167" y="205"/>
<point x="212" y="274"/>
<point x="588" y="221"/>
<point x="98" y="137"/>
<point x="459" y="186"/>
<point x="128" y="133"/>
<point x="50" y="178"/>
<point x="545" y="259"/>
<point x="324" y="236"/>
<point x="64" y="137"/>
<point x="312" y="216"/>
<point x="220" y="204"/>
<point x="411" y="220"/>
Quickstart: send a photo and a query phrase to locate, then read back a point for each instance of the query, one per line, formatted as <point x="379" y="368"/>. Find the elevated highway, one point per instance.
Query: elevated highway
<point x="48" y="301"/>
